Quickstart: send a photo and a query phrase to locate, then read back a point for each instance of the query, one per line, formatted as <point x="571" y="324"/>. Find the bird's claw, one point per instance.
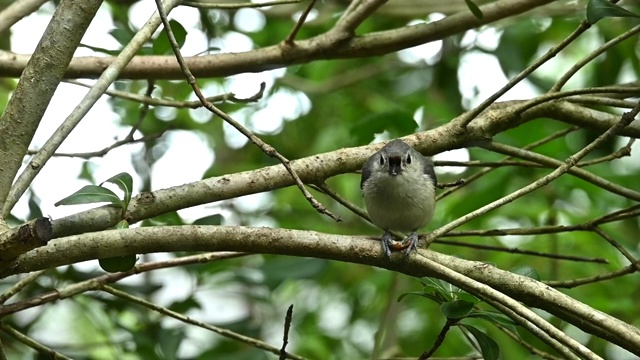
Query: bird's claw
<point x="407" y="246"/>
<point x="387" y="243"/>
<point x="410" y="244"/>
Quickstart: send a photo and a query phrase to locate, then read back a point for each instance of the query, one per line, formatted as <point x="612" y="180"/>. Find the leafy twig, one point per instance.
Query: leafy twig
<point x="108" y="76"/>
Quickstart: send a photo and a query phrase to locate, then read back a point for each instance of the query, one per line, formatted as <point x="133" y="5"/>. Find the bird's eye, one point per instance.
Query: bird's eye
<point x="408" y="158"/>
<point x="381" y="160"/>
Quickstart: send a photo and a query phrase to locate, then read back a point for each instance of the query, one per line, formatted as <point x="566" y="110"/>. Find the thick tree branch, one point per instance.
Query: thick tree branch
<point x="353" y="249"/>
<point x="314" y="169"/>
<point x="321" y="47"/>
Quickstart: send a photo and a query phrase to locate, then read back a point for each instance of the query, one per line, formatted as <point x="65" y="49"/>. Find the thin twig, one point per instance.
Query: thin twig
<point x="618" y="154"/>
<point x="194" y="104"/>
<point x="266" y="148"/>
<point x="42" y="349"/>
<point x="601" y="100"/>
<point x="289" y="40"/>
<point x="285" y="337"/>
<point x="450" y="184"/>
<point x="620" y="248"/>
<point x="521" y="251"/>
<point x="187" y="320"/>
<point x="208" y="5"/>
<point x="568" y="284"/>
<point x="17" y="287"/>
<point x="468" y="117"/>
<point x="128" y="139"/>
<point x="578" y="172"/>
<point x="587" y="59"/>
<point x="16" y="11"/>
<point x="443" y="332"/>
<point x="526" y="345"/>
<point x="357" y="12"/>
<point x="94" y="283"/>
<point x="106" y="150"/>
<point x="626" y="213"/>
<point x="484" y="172"/>
<point x="3" y="356"/>
<point x="625" y="120"/>
<point x="390" y="309"/>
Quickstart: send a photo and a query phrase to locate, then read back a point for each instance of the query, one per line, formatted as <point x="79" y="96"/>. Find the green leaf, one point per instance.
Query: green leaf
<point x="34" y="206"/>
<point x="495" y="318"/>
<point x="101" y="50"/>
<point x="475" y="10"/>
<point x="600" y="9"/>
<point x="490" y="349"/>
<point x="118" y="263"/>
<point x="437" y="299"/>
<point x="162" y="46"/>
<point x="527" y="271"/>
<point x="122" y="224"/>
<point x="182" y="306"/>
<point x="91" y="194"/>
<point x="125" y="182"/>
<point x="467" y="297"/>
<point x="456" y="309"/>
<point x="122" y="36"/>
<point x="209" y="220"/>
<point x="169" y="342"/>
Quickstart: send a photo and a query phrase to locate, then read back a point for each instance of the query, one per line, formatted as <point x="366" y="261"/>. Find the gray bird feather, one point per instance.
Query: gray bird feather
<point x="398" y="186"/>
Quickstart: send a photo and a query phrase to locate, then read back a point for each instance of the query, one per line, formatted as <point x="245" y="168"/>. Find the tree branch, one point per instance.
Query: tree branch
<point x="107" y="77"/>
<point x="35" y="89"/>
<point x="353" y="249"/>
<point x="316" y="169"/>
<point x="321" y="47"/>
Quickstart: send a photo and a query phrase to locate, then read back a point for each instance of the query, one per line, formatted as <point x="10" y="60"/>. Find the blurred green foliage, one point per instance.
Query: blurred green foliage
<point x="339" y="307"/>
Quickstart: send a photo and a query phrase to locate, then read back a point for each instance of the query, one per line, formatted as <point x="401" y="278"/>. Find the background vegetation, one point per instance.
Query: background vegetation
<point x="553" y="227"/>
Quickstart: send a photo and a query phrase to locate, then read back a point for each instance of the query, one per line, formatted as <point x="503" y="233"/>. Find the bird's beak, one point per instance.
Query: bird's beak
<point x="395" y="165"/>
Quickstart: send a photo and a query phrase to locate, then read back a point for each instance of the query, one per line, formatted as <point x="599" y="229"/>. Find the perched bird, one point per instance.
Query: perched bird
<point x="398" y="186"/>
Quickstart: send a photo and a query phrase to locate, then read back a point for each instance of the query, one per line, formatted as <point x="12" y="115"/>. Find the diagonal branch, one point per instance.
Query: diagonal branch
<point x="266" y="148"/>
<point x="35" y="89"/>
<point x="107" y="77"/>
<point x="17" y="11"/>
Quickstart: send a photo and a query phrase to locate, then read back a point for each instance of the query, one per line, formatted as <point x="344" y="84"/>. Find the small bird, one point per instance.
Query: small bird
<point x="398" y="186"/>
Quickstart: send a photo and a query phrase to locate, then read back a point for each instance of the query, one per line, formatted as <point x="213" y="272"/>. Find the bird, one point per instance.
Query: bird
<point x="398" y="187"/>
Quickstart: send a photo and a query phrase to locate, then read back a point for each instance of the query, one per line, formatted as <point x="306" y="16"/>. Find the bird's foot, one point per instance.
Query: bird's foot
<point x="407" y="246"/>
<point x="387" y="243"/>
<point x="410" y="244"/>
